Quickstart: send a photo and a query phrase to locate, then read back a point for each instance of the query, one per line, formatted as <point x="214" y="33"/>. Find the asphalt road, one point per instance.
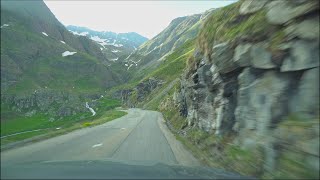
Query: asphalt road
<point x="140" y="137"/>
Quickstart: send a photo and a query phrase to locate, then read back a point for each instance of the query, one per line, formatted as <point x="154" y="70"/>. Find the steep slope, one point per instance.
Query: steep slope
<point x="137" y="92"/>
<point x="148" y="56"/>
<point x="115" y="46"/>
<point x="248" y="98"/>
<point x="43" y="65"/>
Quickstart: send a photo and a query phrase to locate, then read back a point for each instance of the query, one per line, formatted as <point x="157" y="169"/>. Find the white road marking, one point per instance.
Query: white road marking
<point x="97" y="145"/>
<point x="123" y="128"/>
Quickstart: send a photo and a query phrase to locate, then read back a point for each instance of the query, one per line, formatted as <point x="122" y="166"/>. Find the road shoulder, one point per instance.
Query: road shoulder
<point x="183" y="156"/>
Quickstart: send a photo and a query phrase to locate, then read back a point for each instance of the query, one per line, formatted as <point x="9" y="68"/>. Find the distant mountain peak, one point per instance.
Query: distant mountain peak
<point x="115" y="46"/>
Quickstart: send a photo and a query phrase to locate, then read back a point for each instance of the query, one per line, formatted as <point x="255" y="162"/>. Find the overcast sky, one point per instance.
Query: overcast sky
<point x="147" y="18"/>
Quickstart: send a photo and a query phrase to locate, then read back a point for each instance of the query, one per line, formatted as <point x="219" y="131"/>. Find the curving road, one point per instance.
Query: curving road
<point x="136" y="146"/>
<point x="140" y="137"/>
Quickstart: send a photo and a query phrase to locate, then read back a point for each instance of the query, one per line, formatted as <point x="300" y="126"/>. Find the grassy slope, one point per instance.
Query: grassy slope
<point x="13" y="122"/>
<point x="48" y="133"/>
<point x="33" y="60"/>
<point x="50" y="69"/>
<point x="226" y="24"/>
<point x="169" y="70"/>
<point x="174" y="64"/>
<point x="179" y="31"/>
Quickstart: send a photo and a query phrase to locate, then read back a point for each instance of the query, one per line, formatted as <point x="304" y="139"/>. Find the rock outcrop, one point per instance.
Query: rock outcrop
<point x="52" y="102"/>
<point x="133" y="96"/>
<point x="255" y="88"/>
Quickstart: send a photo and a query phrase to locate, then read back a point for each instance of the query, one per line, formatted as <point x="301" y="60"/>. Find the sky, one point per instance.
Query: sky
<point x="147" y="18"/>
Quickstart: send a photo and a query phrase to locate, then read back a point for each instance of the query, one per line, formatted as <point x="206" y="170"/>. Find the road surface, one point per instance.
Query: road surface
<point x="139" y="137"/>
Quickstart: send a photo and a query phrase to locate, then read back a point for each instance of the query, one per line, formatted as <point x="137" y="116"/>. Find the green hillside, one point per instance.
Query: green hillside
<point x="31" y="60"/>
<point x="38" y="83"/>
<point x="152" y="52"/>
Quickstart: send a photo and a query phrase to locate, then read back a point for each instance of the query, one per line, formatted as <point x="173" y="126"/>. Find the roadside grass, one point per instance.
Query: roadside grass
<point x="13" y="122"/>
<point x="38" y="121"/>
<point x="21" y="137"/>
<point x="45" y="134"/>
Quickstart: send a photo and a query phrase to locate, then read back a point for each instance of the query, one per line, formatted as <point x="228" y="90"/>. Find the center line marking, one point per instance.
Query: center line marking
<point x="97" y="145"/>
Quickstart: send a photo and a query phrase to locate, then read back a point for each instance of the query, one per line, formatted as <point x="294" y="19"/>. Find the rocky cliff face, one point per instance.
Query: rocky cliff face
<point x="259" y="85"/>
<point x="54" y="103"/>
<point x="131" y="97"/>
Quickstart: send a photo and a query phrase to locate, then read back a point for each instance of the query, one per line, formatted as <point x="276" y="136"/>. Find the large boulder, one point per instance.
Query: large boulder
<point x="306" y="29"/>
<point x="305" y="101"/>
<point x="244" y="113"/>
<point x="260" y="57"/>
<point x="280" y="11"/>
<point x="303" y="55"/>
<point x="222" y="57"/>
<point x="251" y="6"/>
<point x="216" y="79"/>
<point x="204" y="74"/>
<point x="205" y="110"/>
<point x="263" y="101"/>
<point x="242" y="55"/>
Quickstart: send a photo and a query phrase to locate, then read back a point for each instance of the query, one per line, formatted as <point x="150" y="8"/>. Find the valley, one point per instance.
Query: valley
<point x="236" y="87"/>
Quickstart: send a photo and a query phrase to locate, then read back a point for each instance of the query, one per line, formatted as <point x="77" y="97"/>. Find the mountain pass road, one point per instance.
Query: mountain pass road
<point x="138" y="137"/>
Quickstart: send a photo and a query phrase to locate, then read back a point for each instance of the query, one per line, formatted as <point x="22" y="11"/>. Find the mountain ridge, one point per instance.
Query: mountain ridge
<point x="115" y="46"/>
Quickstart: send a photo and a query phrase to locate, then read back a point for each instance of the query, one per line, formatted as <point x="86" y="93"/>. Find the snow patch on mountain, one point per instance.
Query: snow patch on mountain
<point x="97" y="39"/>
<point x="44" y="33"/>
<point x="79" y="34"/>
<point x="115" y="59"/>
<point x="130" y="66"/>
<point x="160" y="46"/>
<point x="134" y="62"/>
<point x="68" y="53"/>
<point x="118" y="45"/>
<point x="129" y="56"/>
<point x="5" y="25"/>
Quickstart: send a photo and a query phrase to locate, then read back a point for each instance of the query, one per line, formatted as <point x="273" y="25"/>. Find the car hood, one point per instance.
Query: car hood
<point x="101" y="169"/>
